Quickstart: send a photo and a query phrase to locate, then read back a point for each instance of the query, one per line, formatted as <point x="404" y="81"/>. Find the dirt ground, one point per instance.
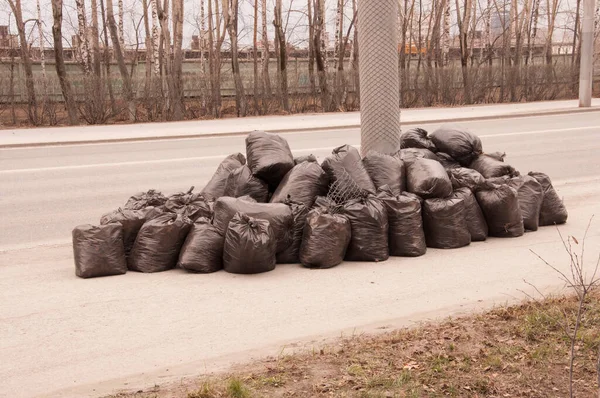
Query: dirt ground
<point x="517" y="351"/>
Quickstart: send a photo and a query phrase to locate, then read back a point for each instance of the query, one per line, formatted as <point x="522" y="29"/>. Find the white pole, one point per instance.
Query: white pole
<point x="379" y="79"/>
<point x="587" y="54"/>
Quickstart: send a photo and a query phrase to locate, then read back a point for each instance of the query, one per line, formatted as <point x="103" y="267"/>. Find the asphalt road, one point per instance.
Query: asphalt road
<point x="61" y="336"/>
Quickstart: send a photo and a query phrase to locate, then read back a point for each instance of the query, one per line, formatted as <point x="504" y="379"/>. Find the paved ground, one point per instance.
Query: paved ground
<point x="62" y="336"/>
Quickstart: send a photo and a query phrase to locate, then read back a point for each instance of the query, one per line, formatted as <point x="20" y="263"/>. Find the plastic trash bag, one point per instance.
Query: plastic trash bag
<point x="159" y="242"/>
<point x="428" y="179"/>
<point x="406" y="235"/>
<point x="369" y="223"/>
<point x="476" y="223"/>
<point x="463" y="177"/>
<point x="202" y="251"/>
<point x="530" y="195"/>
<point x="553" y="210"/>
<point x="216" y="186"/>
<point x="189" y="204"/>
<point x="269" y="157"/>
<point x="279" y="216"/>
<point x="241" y="182"/>
<point x="302" y="184"/>
<point x="346" y="161"/>
<point x="325" y="239"/>
<point x="490" y="167"/>
<point x="249" y="246"/>
<point x="458" y="143"/>
<point x="99" y="251"/>
<point x="291" y="254"/>
<point x="410" y="154"/>
<point x="497" y="155"/>
<point x="386" y="170"/>
<point x="416" y="138"/>
<point x="445" y="223"/>
<point x="447" y="161"/>
<point x="131" y="221"/>
<point x="324" y="203"/>
<point x="308" y="158"/>
<point x="142" y="200"/>
<point x="500" y="206"/>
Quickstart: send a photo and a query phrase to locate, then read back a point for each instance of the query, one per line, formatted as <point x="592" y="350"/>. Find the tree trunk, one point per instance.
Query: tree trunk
<point x="177" y="72"/>
<point x="148" y="43"/>
<point x="84" y="45"/>
<point x="41" y="43"/>
<point x="552" y="10"/>
<point x="111" y="95"/>
<point x="282" y="56"/>
<point x="575" y="50"/>
<point x="112" y="26"/>
<point x="155" y="39"/>
<point x="355" y="51"/>
<point x="168" y="77"/>
<point x="32" y="111"/>
<point x="320" y="57"/>
<point x="96" y="63"/>
<point x="61" y="71"/>
<point x="255" y="59"/>
<point x="311" y="48"/>
<point x="231" y="18"/>
<point x="121" y="24"/>
<point x="463" y="28"/>
<point x="446" y="35"/>
<point x="265" y="53"/>
<point x="340" y="51"/>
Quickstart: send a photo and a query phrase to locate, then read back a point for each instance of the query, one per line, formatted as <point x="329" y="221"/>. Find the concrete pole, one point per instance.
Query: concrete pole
<point x="587" y="54"/>
<point x="378" y="71"/>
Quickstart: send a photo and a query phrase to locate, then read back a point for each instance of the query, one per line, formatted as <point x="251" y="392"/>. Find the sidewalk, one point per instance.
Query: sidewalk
<point x="323" y="121"/>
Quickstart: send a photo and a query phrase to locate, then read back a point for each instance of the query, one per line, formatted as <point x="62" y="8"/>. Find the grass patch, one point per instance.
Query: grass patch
<point x="516" y="351"/>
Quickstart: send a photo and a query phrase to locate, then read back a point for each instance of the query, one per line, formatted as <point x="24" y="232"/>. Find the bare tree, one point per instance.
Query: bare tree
<point x="230" y="13"/>
<point x="281" y="56"/>
<point x="127" y="88"/>
<point x="82" y="37"/>
<point x="177" y="71"/>
<point x="155" y="39"/>
<point x="446" y="35"/>
<point x="265" y="52"/>
<point x="463" y="27"/>
<point x="61" y="71"/>
<point x="41" y="43"/>
<point x="255" y="58"/>
<point x="106" y="57"/>
<point x="96" y="62"/>
<point x="121" y="23"/>
<point x="551" y="12"/>
<point x="311" y="46"/>
<point x="32" y="114"/>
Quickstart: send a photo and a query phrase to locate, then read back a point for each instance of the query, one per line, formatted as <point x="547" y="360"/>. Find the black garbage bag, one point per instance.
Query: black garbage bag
<point x="447" y="161"/>
<point x="308" y="158"/>
<point x="325" y="239"/>
<point x="500" y="206"/>
<point x="490" y="167"/>
<point x="416" y="138"/>
<point x="142" y="200"/>
<point x="279" y="216"/>
<point x="428" y="179"/>
<point x="553" y="210"/>
<point x="324" y="203"/>
<point x="216" y="186"/>
<point x="291" y="254"/>
<point x="476" y="223"/>
<point x="189" y="204"/>
<point x="497" y="155"/>
<point x="406" y="236"/>
<point x="202" y="251"/>
<point x="99" y="251"/>
<point x="463" y="177"/>
<point x="410" y="154"/>
<point x="269" y="157"/>
<point x="386" y="170"/>
<point x="152" y="212"/>
<point x="302" y="184"/>
<point x="131" y="221"/>
<point x="458" y="143"/>
<point x="159" y="242"/>
<point x="369" y="223"/>
<point x="345" y="162"/>
<point x="530" y="195"/>
<point x="241" y="182"/>
<point x="445" y="223"/>
<point x="249" y="246"/>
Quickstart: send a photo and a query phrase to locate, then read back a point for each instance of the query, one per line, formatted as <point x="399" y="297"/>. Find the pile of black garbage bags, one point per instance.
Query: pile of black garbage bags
<point x="440" y="190"/>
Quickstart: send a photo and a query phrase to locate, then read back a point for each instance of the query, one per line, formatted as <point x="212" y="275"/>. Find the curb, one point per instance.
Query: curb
<point x="295" y="130"/>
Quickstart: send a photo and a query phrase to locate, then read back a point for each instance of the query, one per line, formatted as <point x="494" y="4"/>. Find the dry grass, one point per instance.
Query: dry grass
<point x="517" y="351"/>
